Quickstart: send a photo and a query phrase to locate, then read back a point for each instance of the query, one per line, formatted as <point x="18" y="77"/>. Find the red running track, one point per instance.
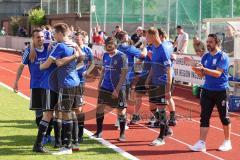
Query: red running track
<point x="139" y="136"/>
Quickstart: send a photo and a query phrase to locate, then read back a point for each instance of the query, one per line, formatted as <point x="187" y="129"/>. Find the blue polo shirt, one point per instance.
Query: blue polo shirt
<point x="146" y="64"/>
<point x="88" y="58"/>
<point x="161" y="61"/>
<point x="36" y="75"/>
<point x="113" y="66"/>
<point x="169" y="48"/>
<point x="50" y="75"/>
<point x="219" y="60"/>
<point x="67" y="75"/>
<point x="131" y="52"/>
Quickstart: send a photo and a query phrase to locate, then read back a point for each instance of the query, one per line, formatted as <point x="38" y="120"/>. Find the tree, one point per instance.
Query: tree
<point x="37" y="17"/>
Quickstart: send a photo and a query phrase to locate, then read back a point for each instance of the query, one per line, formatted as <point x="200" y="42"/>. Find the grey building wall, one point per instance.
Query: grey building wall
<point x="16" y="7"/>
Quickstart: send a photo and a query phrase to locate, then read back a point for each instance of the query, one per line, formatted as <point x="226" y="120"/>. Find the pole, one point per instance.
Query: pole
<point x="122" y="17"/>
<point x="169" y="16"/>
<point x="211" y="8"/>
<point x="57" y="6"/>
<point x="48" y="7"/>
<point x="200" y="20"/>
<point x="176" y="20"/>
<point x="105" y="15"/>
<point x="232" y="9"/>
<point x="66" y="9"/>
<point x="143" y="12"/>
<point x="90" y="28"/>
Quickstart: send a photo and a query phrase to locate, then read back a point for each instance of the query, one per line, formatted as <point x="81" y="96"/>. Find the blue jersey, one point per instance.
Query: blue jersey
<point x="160" y="63"/>
<point x="221" y="61"/>
<point x="35" y="72"/>
<point x="50" y="76"/>
<point x="67" y="75"/>
<point x="169" y="48"/>
<point x="113" y="66"/>
<point x="47" y="36"/>
<point x="147" y="63"/>
<point x="88" y="58"/>
<point x="131" y="52"/>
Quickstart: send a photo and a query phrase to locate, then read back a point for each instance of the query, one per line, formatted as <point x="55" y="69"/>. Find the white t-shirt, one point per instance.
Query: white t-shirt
<point x="181" y="38"/>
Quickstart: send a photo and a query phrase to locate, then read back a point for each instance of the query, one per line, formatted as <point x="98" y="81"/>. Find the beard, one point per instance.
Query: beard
<point x="210" y="49"/>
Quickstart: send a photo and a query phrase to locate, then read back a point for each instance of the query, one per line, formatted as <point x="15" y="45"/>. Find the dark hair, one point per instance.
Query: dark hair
<point x="121" y="35"/>
<point x="162" y="33"/>
<point x="36" y="30"/>
<point x="62" y="28"/>
<point x="78" y="33"/>
<point x="48" y="27"/>
<point x="179" y="27"/>
<point x="216" y="38"/>
<point x="110" y="40"/>
<point x="117" y="26"/>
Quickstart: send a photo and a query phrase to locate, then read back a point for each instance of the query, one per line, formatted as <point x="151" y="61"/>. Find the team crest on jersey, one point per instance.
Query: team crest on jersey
<point x="115" y="62"/>
<point x="214" y="61"/>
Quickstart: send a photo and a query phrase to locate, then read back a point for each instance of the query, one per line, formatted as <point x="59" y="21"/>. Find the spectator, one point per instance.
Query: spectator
<point x="2" y="32"/>
<point x="136" y="37"/>
<point x="199" y="47"/>
<point x="22" y="32"/>
<point x="47" y="35"/>
<point x="228" y="42"/>
<point x="97" y="39"/>
<point x="116" y="32"/>
<point x="182" y="40"/>
<point x="86" y="38"/>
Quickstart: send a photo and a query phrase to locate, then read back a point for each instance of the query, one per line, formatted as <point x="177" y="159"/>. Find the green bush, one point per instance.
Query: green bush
<point x="37" y="17"/>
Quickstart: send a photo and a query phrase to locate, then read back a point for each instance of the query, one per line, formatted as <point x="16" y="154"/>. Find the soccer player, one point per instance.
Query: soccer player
<point x="160" y="87"/>
<point x="214" y="67"/>
<point x="112" y="87"/>
<point x="169" y="48"/>
<point x="131" y="52"/>
<point x="140" y="88"/>
<point x="84" y="69"/>
<point x="68" y="82"/>
<point x="33" y="61"/>
<point x="47" y="36"/>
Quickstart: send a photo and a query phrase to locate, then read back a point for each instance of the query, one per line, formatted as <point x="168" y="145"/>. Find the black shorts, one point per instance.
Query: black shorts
<point x="208" y="100"/>
<point x="69" y="98"/>
<point x="49" y="100"/>
<point x="140" y="86"/>
<point x="36" y="99"/>
<point x="79" y="97"/>
<point x="157" y="94"/>
<point x="105" y="97"/>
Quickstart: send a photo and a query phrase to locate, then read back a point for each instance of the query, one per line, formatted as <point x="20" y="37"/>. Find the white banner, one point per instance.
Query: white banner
<point x="184" y="73"/>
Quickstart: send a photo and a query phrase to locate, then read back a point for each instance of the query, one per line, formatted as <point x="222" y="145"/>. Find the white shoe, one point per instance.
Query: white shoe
<point x="63" y="151"/>
<point x="200" y="146"/>
<point x="157" y="142"/>
<point x="116" y="123"/>
<point x="226" y="146"/>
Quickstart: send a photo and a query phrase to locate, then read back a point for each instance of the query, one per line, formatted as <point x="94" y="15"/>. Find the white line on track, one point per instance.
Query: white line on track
<point x="142" y="103"/>
<point x="89" y="133"/>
